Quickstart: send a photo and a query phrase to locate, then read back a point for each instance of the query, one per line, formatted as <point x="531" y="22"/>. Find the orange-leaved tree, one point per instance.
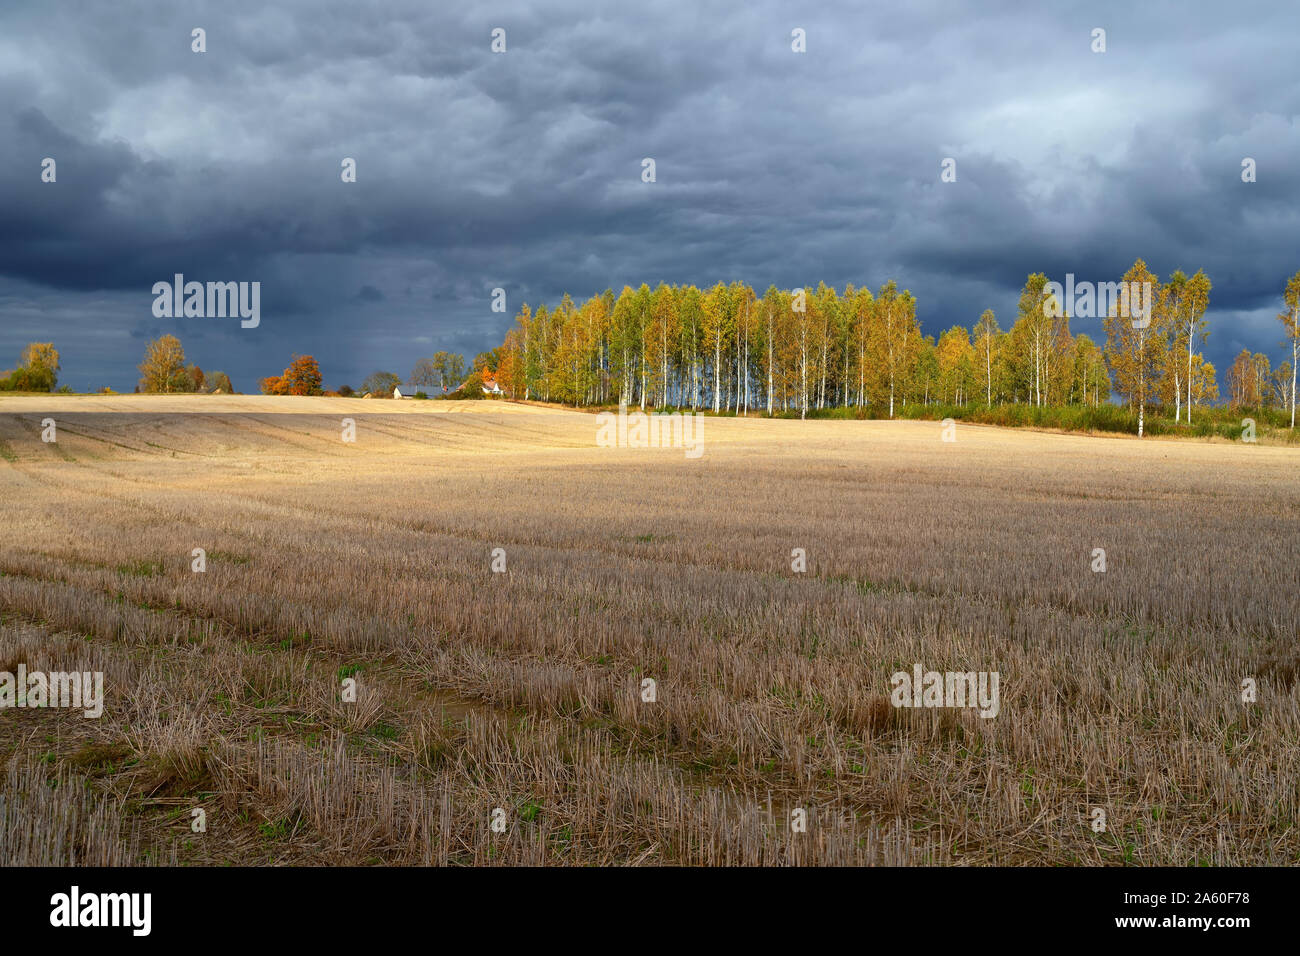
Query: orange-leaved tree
<point x="302" y="377"/>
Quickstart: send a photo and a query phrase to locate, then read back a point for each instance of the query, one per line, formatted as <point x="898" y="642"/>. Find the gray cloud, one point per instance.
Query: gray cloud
<point x="522" y="170"/>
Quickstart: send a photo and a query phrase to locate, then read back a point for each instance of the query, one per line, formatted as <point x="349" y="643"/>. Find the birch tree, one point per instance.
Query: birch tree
<point x="1290" y="320"/>
<point x="1035" y="308"/>
<point x="717" y="330"/>
<point x="1194" y="301"/>
<point x="895" y="315"/>
<point x="986" y="334"/>
<point x="1134" y="348"/>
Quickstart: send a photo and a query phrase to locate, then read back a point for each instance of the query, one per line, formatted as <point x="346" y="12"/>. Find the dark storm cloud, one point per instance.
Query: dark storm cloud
<point x="522" y="170"/>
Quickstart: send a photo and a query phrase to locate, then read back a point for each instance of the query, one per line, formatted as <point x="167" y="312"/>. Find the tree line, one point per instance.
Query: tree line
<point x="804" y="350"/>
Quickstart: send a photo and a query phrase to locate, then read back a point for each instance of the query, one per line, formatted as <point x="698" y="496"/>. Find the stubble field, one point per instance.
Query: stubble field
<point x="522" y="691"/>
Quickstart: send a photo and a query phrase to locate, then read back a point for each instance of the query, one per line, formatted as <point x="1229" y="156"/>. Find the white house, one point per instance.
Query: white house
<point x="406" y="390"/>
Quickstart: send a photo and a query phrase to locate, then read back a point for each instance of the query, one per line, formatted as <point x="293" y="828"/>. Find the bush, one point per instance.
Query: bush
<point x="37" y="379"/>
<point x="471" y="388"/>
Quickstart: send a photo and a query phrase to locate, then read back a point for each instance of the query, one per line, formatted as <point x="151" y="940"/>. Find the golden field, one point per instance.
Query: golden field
<point x="521" y="690"/>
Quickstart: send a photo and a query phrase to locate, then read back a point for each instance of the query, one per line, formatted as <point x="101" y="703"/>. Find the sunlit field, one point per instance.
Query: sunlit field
<point x="523" y="690"/>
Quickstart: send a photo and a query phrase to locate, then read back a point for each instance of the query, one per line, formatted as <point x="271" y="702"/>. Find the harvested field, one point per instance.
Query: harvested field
<point x="522" y="690"/>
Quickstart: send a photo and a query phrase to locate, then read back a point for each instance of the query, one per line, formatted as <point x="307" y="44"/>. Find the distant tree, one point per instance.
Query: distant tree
<point x="426" y="372"/>
<point x="219" y="381"/>
<point x="191" y="379"/>
<point x="1263" y="375"/>
<point x="986" y="336"/>
<point x="1036" y="314"/>
<point x="1204" y="387"/>
<point x="381" y="384"/>
<point x="1290" y="320"/>
<point x="38" y="371"/>
<point x="302" y="377"/>
<point x="445" y="369"/>
<point x="954" y="356"/>
<point x="893" y="339"/>
<point x="926" y="370"/>
<point x="456" y="370"/>
<point x="1091" y="377"/>
<point x="164" y="360"/>
<point x="1279" y="386"/>
<point x="717" y="321"/>
<point x="453" y="368"/>
<point x="1193" y="300"/>
<point x="1244" y="385"/>
<point x="41" y="360"/>
<point x="510" y="371"/>
<point x="346" y="391"/>
<point x="1136" y="349"/>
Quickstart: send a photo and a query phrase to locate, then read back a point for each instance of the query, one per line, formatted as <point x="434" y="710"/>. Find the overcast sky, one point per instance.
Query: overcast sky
<point x="523" y="170"/>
